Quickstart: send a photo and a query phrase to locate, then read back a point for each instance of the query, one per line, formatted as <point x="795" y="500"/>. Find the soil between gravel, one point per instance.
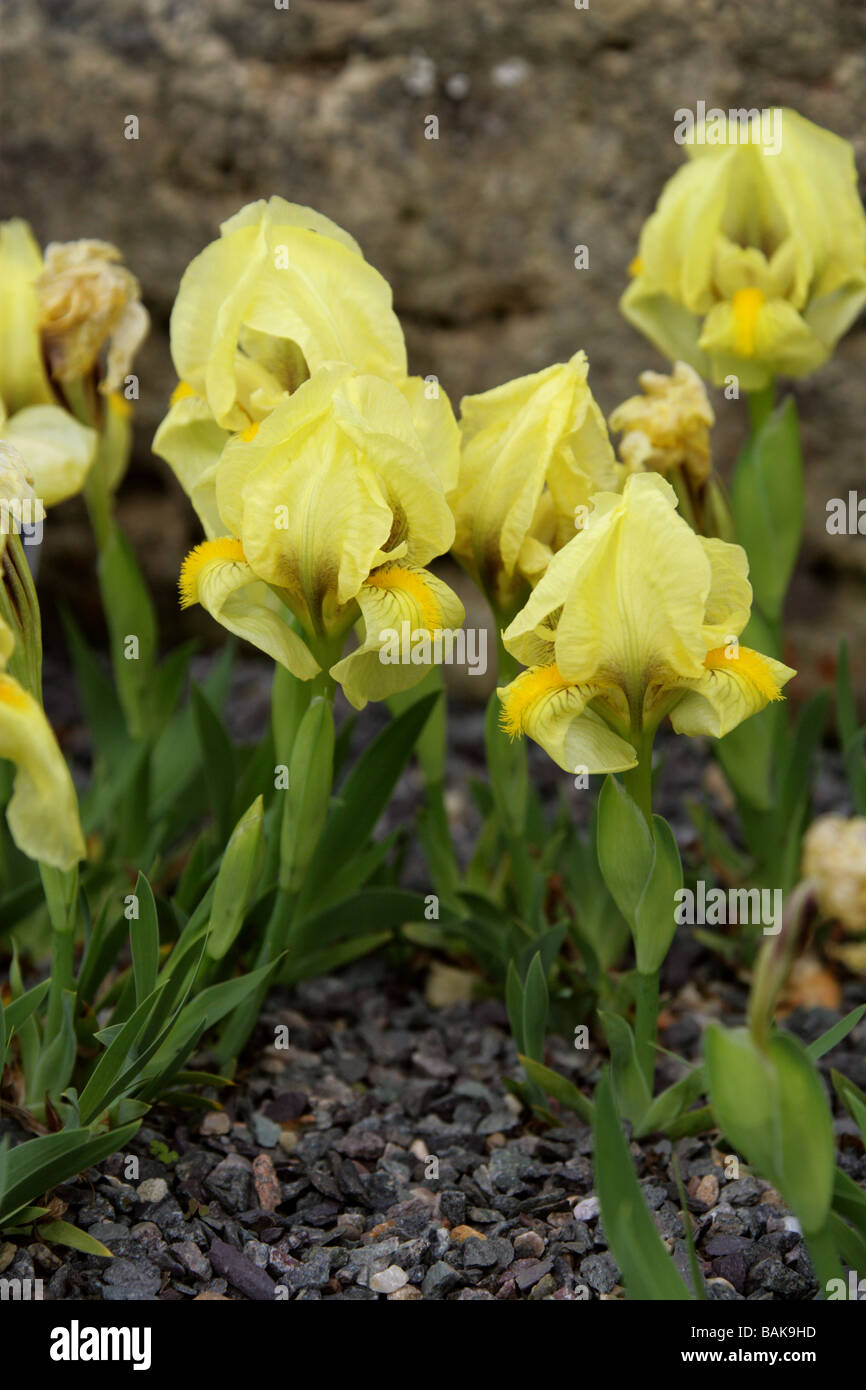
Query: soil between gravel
<point x="316" y="1180"/>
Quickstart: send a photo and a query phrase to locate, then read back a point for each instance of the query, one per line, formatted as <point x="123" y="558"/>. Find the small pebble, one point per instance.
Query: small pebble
<point x="587" y="1210"/>
<point x="389" y="1280"/>
<point x="215" y="1122"/>
<point x="153" y="1190"/>
<point x="528" y="1243"/>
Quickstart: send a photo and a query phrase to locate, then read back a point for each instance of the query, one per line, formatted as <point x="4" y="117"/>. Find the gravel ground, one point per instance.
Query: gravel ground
<point x="378" y="1155"/>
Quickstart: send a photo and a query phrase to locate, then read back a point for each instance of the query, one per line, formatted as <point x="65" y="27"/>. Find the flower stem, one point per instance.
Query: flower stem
<point x="638" y="781"/>
<point x="760" y="405"/>
<point x="508" y="770"/>
<point x="61" y="896"/>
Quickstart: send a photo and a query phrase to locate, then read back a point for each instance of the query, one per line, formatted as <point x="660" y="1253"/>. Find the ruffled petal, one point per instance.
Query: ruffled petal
<point x="540" y="430"/>
<point x="271" y="288"/>
<point x="216" y="575"/>
<point x="334" y="483"/>
<point x="411" y="621"/>
<point x="434" y="423"/>
<point x="541" y="704"/>
<point x="639" y="579"/>
<point x="732" y="688"/>
<point x="729" y="601"/>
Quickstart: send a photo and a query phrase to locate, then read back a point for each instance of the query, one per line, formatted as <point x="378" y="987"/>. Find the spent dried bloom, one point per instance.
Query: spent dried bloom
<point x="834" y="858"/>
<point x="87" y="301"/>
<point x="668" y="426"/>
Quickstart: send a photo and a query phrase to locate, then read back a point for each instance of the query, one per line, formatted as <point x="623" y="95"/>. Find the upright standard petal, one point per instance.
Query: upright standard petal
<point x="286" y="296"/>
<point x="334" y="483"/>
<point x="23" y="380"/>
<point x="539" y="432"/>
<point x="636" y="618"/>
<point x="640" y="580"/>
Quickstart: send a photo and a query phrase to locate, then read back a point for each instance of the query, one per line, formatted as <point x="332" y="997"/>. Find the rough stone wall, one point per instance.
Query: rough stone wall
<point x="555" y="128"/>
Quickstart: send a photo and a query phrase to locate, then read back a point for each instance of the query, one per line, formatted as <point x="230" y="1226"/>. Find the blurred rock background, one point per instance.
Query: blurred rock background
<point x="555" y="129"/>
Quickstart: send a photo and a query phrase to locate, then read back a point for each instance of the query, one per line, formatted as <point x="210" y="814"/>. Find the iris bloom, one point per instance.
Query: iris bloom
<point x="43" y="810"/>
<point x="282" y="292"/>
<point x="635" y="619"/>
<point x="754" y="263"/>
<point x="59" y="316"/>
<point x="533" y="452"/>
<point x="329" y="511"/>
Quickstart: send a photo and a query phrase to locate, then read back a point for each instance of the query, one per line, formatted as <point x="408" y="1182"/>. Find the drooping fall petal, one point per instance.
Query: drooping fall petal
<point x="43" y="811"/>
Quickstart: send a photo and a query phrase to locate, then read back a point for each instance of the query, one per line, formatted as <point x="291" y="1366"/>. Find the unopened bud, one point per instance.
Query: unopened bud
<point x="237" y="880"/>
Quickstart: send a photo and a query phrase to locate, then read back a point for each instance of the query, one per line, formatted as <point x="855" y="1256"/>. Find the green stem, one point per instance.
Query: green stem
<point x="638" y="781"/>
<point x="510" y="790"/>
<point x="760" y="405"/>
<point x="646" y="1025"/>
<point x="61" y="895"/>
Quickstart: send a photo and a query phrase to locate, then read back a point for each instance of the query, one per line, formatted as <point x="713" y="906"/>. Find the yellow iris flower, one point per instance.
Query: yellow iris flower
<point x="636" y="618"/>
<point x="282" y="292"/>
<point x="331" y="509"/>
<point x="533" y="452"/>
<point x="43" y="810"/>
<point x="754" y="261"/>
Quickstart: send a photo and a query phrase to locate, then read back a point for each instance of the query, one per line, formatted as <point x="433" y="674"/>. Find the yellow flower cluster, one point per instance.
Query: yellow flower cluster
<point x="326" y="479"/>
